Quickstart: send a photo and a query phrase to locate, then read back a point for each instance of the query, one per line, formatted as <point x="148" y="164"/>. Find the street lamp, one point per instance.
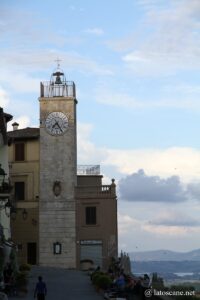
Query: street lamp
<point x="14" y="211"/>
<point x="24" y="214"/>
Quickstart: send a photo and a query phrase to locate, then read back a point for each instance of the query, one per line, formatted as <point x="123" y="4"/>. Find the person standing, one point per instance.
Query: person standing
<point x="40" y="289"/>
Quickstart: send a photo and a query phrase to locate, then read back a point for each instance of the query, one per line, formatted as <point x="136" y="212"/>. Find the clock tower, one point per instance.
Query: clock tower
<point x="58" y="172"/>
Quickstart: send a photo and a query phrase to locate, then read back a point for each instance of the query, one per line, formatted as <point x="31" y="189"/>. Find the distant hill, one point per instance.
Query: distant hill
<point x="165" y="255"/>
<point x="165" y="266"/>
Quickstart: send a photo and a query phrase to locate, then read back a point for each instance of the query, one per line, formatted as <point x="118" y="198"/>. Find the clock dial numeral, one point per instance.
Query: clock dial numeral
<point x="56" y="123"/>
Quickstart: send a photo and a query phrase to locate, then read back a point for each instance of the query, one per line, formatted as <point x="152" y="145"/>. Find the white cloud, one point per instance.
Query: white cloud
<point x="175" y="219"/>
<point x="32" y="45"/>
<point x="25" y="28"/>
<point x="150" y="4"/>
<point x="172" y="224"/>
<point x="129" y="227"/>
<point x="183" y="162"/>
<point x="22" y="81"/>
<point x="179" y="161"/>
<point x="126" y="223"/>
<point x="23" y="121"/>
<point x="172" y="231"/>
<point x="129" y="102"/>
<point x="22" y="61"/>
<point x="118" y="99"/>
<point x="167" y="39"/>
<point x="94" y="31"/>
<point x="4" y="98"/>
<point x="189" y="89"/>
<point x="88" y="153"/>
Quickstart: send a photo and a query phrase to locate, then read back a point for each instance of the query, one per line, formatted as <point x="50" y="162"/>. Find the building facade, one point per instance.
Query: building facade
<point x="64" y="216"/>
<point x="4" y="169"/>
<point x="24" y="175"/>
<point x="5" y="188"/>
<point x="96" y="219"/>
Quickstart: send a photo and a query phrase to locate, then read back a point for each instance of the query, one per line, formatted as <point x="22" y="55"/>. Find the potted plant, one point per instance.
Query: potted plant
<point x="21" y="280"/>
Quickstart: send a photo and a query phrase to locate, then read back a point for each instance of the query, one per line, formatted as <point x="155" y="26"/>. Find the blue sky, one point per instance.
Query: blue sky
<point x="136" y="67"/>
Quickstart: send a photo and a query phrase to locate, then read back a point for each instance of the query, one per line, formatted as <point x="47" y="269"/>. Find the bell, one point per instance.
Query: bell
<point x="58" y="80"/>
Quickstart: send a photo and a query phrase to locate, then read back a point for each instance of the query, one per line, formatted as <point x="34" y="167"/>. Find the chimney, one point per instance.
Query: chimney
<point x="15" y="126"/>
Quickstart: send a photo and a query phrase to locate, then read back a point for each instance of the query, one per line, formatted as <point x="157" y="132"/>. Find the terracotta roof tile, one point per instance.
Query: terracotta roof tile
<point x="25" y="133"/>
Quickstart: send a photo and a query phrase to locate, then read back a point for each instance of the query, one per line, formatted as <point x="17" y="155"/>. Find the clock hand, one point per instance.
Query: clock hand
<point x="57" y="124"/>
<point x="54" y="124"/>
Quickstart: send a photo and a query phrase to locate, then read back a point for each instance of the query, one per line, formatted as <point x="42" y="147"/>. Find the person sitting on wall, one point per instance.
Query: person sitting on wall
<point x="137" y="287"/>
<point x="120" y="282"/>
<point x="145" y="284"/>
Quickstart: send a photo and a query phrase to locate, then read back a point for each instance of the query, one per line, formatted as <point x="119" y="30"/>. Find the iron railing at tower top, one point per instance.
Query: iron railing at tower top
<point x="50" y="89"/>
<point x="88" y="170"/>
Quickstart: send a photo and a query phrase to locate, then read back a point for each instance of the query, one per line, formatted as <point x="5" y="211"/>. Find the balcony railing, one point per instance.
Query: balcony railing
<point x="50" y="89"/>
<point x="88" y="170"/>
<point x="95" y="191"/>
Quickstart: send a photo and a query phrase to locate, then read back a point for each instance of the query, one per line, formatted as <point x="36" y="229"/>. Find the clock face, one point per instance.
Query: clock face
<point x="56" y="123"/>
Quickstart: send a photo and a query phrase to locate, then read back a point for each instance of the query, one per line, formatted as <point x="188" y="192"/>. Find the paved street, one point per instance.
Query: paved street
<point x="63" y="284"/>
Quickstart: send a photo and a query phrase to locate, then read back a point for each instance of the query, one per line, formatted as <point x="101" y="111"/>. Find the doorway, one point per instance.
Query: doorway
<point x="92" y="252"/>
<point x="32" y="253"/>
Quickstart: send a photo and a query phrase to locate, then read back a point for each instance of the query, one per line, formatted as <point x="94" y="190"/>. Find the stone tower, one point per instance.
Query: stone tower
<point x="58" y="174"/>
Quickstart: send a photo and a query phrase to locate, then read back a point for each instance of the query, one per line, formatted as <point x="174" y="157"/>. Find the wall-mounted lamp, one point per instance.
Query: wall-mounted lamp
<point x="24" y="214"/>
<point x="13" y="213"/>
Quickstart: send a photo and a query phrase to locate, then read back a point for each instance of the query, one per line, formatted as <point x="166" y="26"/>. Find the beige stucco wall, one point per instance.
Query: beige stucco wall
<point x="26" y="231"/>
<point x="105" y="229"/>
<point x="89" y="180"/>
<point x="31" y="151"/>
<point x="27" y="171"/>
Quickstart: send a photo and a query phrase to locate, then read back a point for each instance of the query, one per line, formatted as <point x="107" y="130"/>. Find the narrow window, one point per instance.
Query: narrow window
<point x="19" y="152"/>
<point x="90" y="215"/>
<point x="19" y="190"/>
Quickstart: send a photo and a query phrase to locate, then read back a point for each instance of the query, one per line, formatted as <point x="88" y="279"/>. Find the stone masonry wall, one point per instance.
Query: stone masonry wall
<point x="57" y="163"/>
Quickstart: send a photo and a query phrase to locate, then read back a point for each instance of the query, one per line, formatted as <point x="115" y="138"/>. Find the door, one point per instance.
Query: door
<point x="31" y="253"/>
<point x="93" y="252"/>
